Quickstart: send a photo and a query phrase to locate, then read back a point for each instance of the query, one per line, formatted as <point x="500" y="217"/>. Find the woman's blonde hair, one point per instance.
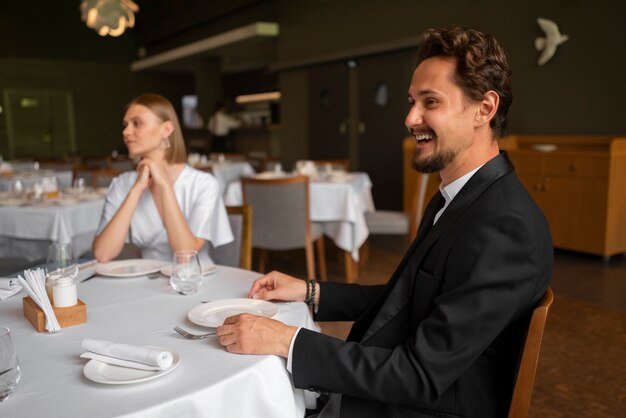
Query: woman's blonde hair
<point x="164" y="110"/>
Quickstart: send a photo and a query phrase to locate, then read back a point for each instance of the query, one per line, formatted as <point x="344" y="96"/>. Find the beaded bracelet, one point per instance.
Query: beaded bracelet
<point x="313" y="291"/>
<point x="308" y="292"/>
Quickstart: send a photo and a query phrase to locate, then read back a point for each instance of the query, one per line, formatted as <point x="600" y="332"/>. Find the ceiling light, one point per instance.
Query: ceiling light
<point x="109" y="17"/>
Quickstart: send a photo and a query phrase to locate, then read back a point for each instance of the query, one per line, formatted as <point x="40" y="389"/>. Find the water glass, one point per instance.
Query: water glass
<point x="16" y="187"/>
<point x="60" y="264"/>
<point x="186" y="276"/>
<point x="9" y="366"/>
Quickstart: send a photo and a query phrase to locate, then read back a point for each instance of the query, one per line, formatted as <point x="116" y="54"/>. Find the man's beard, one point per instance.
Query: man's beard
<point x="434" y="163"/>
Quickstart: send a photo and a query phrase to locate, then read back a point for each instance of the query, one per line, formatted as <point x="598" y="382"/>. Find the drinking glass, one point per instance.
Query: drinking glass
<point x="9" y="367"/>
<point x="186" y="274"/>
<point x="16" y="187"/>
<point x="60" y="264"/>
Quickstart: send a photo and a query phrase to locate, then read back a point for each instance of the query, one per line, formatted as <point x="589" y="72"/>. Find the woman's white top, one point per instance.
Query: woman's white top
<point x="198" y="196"/>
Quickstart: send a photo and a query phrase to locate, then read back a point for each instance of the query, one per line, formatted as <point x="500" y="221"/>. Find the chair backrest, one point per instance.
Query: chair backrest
<point x="103" y="178"/>
<point x="520" y="403"/>
<point x="426" y="186"/>
<point x="280" y="211"/>
<point x="239" y="252"/>
<point x="122" y="164"/>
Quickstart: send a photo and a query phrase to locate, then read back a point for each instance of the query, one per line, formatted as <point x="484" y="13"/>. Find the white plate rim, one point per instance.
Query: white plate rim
<point x="166" y="270"/>
<point x="91" y="369"/>
<point x="155" y="266"/>
<point x="195" y="314"/>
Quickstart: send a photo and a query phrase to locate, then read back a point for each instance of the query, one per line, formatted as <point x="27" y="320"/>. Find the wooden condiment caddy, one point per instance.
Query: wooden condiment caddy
<point x="67" y="317"/>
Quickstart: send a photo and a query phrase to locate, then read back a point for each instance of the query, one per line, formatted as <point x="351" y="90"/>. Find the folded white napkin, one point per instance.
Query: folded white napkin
<point x="8" y="283"/>
<point x="127" y="355"/>
<point x="35" y="286"/>
<point x="9" y="287"/>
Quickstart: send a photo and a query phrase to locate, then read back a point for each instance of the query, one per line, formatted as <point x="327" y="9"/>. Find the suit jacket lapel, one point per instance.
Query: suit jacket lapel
<point x="359" y="327"/>
<point x="397" y="294"/>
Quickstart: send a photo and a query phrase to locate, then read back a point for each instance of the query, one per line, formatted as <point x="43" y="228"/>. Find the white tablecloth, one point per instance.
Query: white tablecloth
<point x="64" y="179"/>
<point x="228" y="172"/>
<point x="210" y="382"/>
<point x="25" y="232"/>
<point x="338" y="206"/>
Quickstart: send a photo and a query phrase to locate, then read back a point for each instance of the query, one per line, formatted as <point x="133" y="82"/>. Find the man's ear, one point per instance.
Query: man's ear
<point x="488" y="107"/>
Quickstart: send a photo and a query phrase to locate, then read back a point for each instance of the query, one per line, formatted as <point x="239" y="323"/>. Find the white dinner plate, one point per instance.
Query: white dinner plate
<point x="213" y="314"/>
<point x="130" y="268"/>
<point x="110" y="374"/>
<point x="206" y="270"/>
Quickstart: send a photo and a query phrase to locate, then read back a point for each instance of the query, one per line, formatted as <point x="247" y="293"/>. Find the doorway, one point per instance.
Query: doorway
<point x="357" y="110"/>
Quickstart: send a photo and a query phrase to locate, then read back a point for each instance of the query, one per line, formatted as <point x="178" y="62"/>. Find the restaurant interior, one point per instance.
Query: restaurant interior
<point x="326" y="81"/>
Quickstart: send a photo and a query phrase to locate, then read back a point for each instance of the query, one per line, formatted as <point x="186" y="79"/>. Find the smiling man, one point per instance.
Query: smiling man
<point x="443" y="337"/>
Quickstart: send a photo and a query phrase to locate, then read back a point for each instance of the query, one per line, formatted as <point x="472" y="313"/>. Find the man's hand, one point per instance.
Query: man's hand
<point x="278" y="286"/>
<point x="251" y="334"/>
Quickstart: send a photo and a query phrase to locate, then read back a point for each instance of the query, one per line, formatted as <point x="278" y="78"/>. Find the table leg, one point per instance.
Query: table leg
<point x="352" y="268"/>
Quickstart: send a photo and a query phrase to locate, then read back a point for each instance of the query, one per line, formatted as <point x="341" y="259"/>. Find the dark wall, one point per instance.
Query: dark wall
<point x="44" y="45"/>
<point x="99" y="92"/>
<point x="54" y="30"/>
<point x="580" y="91"/>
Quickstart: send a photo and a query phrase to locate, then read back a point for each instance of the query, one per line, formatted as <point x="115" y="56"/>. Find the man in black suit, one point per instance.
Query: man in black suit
<point x="444" y="336"/>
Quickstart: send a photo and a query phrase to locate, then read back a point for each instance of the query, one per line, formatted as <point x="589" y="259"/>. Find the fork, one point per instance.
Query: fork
<point x="190" y="336"/>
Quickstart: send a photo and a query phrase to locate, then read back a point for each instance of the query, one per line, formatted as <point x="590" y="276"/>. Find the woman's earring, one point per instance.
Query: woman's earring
<point x="165" y="143"/>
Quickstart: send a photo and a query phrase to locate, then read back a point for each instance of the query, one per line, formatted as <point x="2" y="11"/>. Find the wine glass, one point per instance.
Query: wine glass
<point x="9" y="367"/>
<point x="186" y="274"/>
<point x="60" y="264"/>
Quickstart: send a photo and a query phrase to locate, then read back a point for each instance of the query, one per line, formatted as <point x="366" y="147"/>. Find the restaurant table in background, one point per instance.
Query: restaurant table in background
<point x="26" y="231"/>
<point x="227" y="172"/>
<point x="338" y="206"/>
<point x="29" y="178"/>
<point x="210" y="382"/>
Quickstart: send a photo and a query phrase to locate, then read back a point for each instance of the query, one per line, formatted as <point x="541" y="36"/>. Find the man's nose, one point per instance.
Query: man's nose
<point x="415" y="117"/>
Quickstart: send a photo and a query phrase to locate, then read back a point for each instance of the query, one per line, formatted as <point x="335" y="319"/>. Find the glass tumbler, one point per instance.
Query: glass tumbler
<point x="9" y="367"/>
<point x="186" y="274"/>
<point x="60" y="264"/>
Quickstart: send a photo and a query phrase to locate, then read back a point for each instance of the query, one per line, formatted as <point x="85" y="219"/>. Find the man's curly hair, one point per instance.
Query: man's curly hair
<point x="481" y="66"/>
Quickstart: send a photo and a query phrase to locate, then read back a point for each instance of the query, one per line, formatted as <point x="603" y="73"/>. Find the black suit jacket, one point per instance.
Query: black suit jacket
<point x="444" y="336"/>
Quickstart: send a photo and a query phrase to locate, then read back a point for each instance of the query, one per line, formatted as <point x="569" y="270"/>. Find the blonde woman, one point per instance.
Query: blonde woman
<point x="165" y="205"/>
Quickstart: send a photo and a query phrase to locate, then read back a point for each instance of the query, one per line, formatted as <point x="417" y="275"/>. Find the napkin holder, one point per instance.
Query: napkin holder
<point x="67" y="317"/>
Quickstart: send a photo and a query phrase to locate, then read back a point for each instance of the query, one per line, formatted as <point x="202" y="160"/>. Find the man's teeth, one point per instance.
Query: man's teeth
<point x="423" y="137"/>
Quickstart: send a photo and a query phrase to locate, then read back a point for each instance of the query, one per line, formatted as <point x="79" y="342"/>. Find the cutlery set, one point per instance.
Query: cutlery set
<point x="190" y="336"/>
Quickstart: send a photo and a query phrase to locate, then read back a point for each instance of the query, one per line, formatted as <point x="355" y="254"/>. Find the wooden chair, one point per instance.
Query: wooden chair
<point x="103" y="178"/>
<point x="520" y="403"/>
<point x="239" y="252"/>
<point x="401" y="223"/>
<point x="281" y="220"/>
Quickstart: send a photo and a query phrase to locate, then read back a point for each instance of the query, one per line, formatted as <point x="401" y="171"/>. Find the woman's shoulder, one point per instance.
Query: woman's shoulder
<point x="197" y="177"/>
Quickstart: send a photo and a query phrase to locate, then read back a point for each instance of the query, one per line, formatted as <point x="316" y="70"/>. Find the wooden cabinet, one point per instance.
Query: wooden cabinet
<point x="580" y="184"/>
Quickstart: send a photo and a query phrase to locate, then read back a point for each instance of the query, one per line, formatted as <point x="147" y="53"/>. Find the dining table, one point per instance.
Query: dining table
<point x="29" y="178"/>
<point x="226" y="172"/>
<point x="27" y="227"/>
<point x="338" y="203"/>
<point x="208" y="382"/>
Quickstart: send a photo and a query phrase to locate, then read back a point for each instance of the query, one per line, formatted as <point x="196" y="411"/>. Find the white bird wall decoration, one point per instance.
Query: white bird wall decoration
<point x="552" y="40"/>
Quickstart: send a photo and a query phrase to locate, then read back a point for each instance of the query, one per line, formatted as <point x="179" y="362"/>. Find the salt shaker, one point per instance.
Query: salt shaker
<point x="64" y="292"/>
